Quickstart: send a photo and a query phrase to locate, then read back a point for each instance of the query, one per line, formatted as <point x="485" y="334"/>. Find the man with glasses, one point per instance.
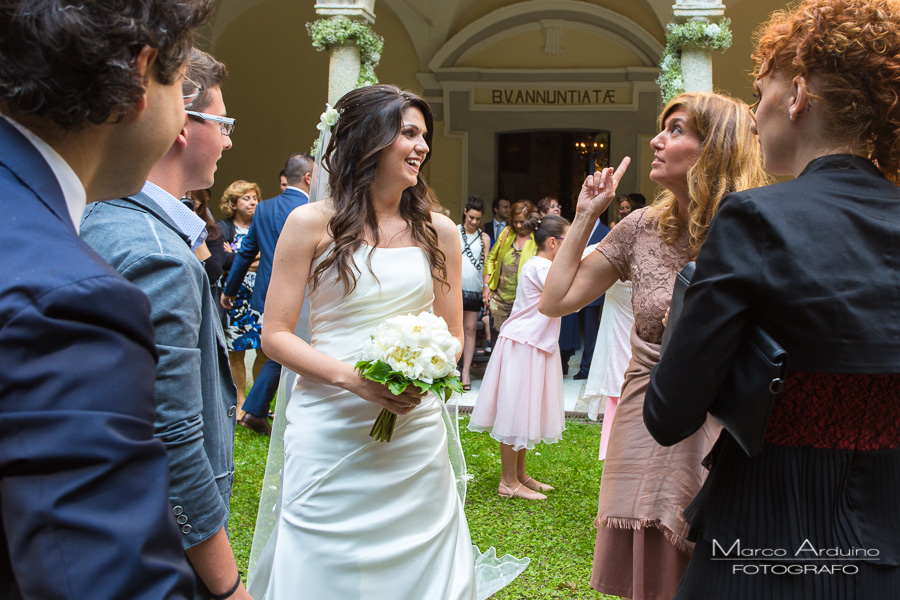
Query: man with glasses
<point x="150" y="238"/>
<point x="91" y="98"/>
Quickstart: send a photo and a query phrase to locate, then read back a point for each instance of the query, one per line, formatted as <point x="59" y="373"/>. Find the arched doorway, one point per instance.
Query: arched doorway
<point x="537" y="164"/>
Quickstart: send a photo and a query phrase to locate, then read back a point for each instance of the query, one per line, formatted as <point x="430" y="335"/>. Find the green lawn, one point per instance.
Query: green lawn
<point x="557" y="534"/>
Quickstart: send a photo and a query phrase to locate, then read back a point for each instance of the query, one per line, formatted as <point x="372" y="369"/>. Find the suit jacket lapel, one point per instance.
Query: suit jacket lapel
<point x="26" y="163"/>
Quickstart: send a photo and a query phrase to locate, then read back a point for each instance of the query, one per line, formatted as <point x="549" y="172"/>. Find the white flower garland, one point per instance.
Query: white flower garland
<point x="337" y="31"/>
<point x="694" y="34"/>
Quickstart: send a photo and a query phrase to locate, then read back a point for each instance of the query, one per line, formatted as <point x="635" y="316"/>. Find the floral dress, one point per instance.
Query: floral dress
<point x="243" y="330"/>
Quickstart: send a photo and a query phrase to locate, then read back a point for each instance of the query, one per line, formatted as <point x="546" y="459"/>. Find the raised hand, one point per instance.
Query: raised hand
<point x="599" y="190"/>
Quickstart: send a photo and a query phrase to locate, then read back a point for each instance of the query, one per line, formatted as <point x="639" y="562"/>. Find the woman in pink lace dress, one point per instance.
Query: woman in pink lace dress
<point x="704" y="151"/>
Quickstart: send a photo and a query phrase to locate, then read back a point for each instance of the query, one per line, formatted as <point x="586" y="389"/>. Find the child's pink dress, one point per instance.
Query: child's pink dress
<point x="521" y="398"/>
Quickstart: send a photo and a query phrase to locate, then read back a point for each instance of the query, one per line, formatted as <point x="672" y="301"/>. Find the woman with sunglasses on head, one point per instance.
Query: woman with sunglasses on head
<point x="505" y="261"/>
<point x="704" y="151"/>
<point x="815" y="262"/>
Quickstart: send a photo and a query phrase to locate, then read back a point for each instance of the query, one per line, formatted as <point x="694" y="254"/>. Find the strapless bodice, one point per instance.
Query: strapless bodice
<point x="399" y="282"/>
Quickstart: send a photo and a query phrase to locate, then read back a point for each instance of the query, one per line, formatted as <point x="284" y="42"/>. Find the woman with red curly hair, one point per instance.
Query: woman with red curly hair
<point x="816" y="262"/>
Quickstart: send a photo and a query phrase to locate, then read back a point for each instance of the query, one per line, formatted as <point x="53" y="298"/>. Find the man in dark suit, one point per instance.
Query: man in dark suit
<point x="500" y="215"/>
<point x="89" y="103"/>
<point x="150" y="238"/>
<point x="591" y="313"/>
<point x="262" y="238"/>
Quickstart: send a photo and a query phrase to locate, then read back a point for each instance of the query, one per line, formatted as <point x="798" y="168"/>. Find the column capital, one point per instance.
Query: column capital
<point x="355" y="9"/>
<point x="700" y="10"/>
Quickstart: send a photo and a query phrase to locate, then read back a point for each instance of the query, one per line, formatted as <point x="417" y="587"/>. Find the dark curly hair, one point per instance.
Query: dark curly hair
<point x="73" y="61"/>
<point x="474" y="203"/>
<point x="370" y="121"/>
<point x="853" y="48"/>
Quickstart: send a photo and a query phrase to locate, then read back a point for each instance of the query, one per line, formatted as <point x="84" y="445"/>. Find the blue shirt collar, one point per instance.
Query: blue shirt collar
<point x="187" y="221"/>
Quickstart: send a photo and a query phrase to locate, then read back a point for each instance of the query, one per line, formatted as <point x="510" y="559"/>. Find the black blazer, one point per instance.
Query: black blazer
<point x="226" y="226"/>
<point x="815" y="261"/>
<point x="489" y="229"/>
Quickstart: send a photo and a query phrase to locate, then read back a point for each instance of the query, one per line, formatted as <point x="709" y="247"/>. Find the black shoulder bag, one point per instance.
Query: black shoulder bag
<point x="744" y="402"/>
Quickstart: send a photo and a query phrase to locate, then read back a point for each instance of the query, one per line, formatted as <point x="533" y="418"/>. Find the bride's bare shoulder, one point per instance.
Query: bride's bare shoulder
<point x="309" y="223"/>
<point x="443" y="224"/>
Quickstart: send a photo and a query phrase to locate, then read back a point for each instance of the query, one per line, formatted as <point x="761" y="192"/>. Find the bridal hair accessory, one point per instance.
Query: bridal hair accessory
<point x="328" y="119"/>
<point x="410" y="350"/>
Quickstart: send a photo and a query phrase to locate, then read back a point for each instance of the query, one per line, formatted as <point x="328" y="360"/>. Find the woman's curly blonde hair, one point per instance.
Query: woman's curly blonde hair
<point x="729" y="160"/>
<point x="852" y="47"/>
<point x="233" y="192"/>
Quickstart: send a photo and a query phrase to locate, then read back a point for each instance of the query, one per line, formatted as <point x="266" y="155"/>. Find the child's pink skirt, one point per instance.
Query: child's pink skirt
<point x="521" y="398"/>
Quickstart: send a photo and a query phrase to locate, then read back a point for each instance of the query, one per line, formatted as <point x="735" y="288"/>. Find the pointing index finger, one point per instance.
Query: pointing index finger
<point x="620" y="170"/>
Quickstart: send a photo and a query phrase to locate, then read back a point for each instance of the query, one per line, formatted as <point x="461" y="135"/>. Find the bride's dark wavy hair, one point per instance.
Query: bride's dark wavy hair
<point x="370" y="121"/>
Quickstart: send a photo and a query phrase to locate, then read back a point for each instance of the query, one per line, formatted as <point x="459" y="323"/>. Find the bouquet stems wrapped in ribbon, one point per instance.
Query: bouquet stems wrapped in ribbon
<point x="410" y="350"/>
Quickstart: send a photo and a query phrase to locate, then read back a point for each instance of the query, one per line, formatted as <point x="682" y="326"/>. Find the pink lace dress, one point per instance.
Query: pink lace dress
<point x="642" y="550"/>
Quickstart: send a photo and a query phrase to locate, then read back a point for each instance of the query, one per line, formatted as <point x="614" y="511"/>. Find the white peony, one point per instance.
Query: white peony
<point x="447" y="343"/>
<point x="418" y="346"/>
<point x="403" y="361"/>
<point x="433" y="364"/>
<point x="415" y="333"/>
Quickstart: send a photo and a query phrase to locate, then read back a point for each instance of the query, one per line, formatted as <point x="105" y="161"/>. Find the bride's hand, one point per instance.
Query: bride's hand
<point x="599" y="190"/>
<point x="381" y="395"/>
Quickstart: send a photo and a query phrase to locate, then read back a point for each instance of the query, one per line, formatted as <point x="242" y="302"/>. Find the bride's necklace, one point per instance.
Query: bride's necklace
<point x="467" y="250"/>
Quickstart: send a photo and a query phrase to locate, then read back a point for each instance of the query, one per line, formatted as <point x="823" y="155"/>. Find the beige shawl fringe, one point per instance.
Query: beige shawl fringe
<point x="645" y="484"/>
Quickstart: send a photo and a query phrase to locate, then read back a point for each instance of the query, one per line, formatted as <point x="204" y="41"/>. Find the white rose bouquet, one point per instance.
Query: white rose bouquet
<point x="410" y="350"/>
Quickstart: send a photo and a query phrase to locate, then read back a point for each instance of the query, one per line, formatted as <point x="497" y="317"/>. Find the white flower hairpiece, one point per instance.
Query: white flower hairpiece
<point x="328" y="119"/>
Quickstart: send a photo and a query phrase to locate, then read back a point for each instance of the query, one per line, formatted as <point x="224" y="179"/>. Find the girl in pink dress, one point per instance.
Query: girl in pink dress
<point x="521" y="398"/>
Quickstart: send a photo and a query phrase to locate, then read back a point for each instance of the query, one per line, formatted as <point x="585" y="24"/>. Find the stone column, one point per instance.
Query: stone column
<point x="343" y="71"/>
<point x="696" y="62"/>
<point x="344" y="65"/>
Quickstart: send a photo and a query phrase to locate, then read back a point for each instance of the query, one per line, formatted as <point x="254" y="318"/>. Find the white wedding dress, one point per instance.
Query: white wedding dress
<point x="359" y="518"/>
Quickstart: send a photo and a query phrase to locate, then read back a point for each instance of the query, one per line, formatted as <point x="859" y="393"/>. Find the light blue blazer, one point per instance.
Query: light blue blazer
<point x="195" y="394"/>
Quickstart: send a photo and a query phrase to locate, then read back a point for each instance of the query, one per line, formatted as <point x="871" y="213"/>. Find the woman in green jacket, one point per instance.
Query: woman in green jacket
<point x="504" y="262"/>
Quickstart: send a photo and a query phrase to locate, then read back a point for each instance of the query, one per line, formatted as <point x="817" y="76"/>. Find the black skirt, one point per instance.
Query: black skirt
<point x="795" y="523"/>
<point x="472" y="301"/>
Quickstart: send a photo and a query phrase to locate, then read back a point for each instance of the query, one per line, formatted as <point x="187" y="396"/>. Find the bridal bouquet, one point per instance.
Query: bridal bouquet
<point x="410" y="350"/>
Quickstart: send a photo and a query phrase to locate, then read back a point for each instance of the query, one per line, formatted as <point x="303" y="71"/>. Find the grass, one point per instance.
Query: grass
<point x="557" y="534"/>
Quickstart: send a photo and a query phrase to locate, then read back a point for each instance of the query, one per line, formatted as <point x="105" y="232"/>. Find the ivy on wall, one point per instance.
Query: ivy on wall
<point x="693" y="34"/>
<point x="341" y="31"/>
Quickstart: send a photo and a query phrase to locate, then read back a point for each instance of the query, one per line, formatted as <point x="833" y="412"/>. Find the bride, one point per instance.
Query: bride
<point x="360" y="518"/>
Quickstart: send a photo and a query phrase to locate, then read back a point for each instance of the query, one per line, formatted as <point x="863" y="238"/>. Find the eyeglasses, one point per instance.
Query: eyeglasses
<point x="559" y="238"/>
<point x="227" y="123"/>
<point x="190" y="89"/>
